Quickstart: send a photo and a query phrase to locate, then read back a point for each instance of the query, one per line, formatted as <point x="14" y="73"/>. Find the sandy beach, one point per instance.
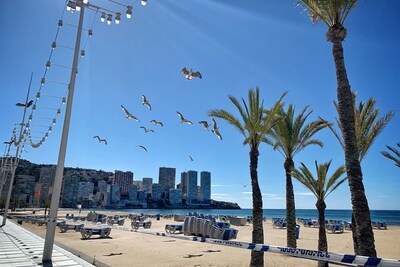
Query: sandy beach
<point x="138" y="249"/>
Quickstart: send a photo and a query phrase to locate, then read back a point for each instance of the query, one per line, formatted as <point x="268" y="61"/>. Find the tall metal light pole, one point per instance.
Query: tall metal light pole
<point x="55" y="198"/>
<point x="14" y="163"/>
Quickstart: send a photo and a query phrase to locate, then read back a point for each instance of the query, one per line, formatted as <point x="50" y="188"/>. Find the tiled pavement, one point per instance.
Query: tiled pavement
<point x="21" y="248"/>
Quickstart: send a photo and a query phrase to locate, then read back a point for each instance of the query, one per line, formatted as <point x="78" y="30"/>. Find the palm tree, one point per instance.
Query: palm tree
<point x="334" y="13"/>
<point x="395" y="157"/>
<point x="368" y="125"/>
<point x="321" y="187"/>
<point x="291" y="135"/>
<point x="253" y="124"/>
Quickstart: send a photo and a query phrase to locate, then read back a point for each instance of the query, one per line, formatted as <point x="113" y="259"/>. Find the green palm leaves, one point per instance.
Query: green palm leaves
<point x="395" y="156"/>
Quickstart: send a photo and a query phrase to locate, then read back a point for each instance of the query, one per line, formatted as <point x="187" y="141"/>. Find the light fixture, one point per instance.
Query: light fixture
<point x="27" y="125"/>
<point x="60" y="23"/>
<point x="129" y="12"/>
<point x="34" y="107"/>
<point x="144" y="2"/>
<point x="71" y="6"/>
<point x="90" y="32"/>
<point x="48" y="63"/>
<point x="50" y="129"/>
<point x="54" y="121"/>
<point x="53" y="45"/>
<point x="85" y="1"/>
<point x="30" y="117"/>
<point x="103" y="17"/>
<point x="42" y="81"/>
<point x="38" y="95"/>
<point x="109" y="19"/>
<point x="58" y="111"/>
<point x="63" y="100"/>
<point x="46" y="135"/>
<point x="82" y="53"/>
<point x="117" y="18"/>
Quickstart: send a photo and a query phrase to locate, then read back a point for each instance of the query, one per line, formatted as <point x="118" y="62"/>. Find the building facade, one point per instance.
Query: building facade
<point x="146" y="184"/>
<point x="124" y="180"/>
<point x="205" y="187"/>
<point x="191" y="196"/>
<point x="166" y="178"/>
<point x="175" y="197"/>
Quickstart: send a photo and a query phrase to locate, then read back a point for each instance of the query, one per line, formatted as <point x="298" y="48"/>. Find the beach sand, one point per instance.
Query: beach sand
<point x="138" y="249"/>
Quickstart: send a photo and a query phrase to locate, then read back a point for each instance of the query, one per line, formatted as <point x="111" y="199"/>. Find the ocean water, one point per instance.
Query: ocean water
<point x="391" y="217"/>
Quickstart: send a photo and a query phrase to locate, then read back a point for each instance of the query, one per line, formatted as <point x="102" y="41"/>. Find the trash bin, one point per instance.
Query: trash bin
<point x="297" y="231"/>
<point x="158" y="217"/>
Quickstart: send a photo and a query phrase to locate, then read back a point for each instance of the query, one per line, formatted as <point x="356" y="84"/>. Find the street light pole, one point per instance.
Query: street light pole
<point x="55" y="199"/>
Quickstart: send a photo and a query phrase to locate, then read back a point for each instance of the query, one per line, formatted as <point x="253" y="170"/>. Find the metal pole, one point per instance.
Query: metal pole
<point x="16" y="159"/>
<point x="55" y="199"/>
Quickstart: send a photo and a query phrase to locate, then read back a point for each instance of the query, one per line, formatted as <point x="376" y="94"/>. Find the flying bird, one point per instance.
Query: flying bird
<point x="100" y="140"/>
<point x="145" y="102"/>
<point x="189" y="74"/>
<point x="157" y="122"/>
<point x="9" y="142"/>
<point x="183" y="120"/>
<point x="129" y="115"/>
<point x="142" y="147"/>
<point x="25" y="105"/>
<point x="146" y="130"/>
<point x="205" y="124"/>
<point x="244" y="185"/>
<point x="215" y="130"/>
<point x="191" y="159"/>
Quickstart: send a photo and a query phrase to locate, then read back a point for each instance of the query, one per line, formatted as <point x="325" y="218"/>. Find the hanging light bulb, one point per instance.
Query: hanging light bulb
<point x="53" y="45"/>
<point x="38" y="95"/>
<point x="71" y="6"/>
<point x="129" y="12"/>
<point x="34" y="107"/>
<point x="117" y="18"/>
<point x="78" y="8"/>
<point x="50" y="129"/>
<point x="85" y="1"/>
<point x="103" y="17"/>
<point x="30" y="117"/>
<point x="144" y="2"/>
<point x="27" y="125"/>
<point x="60" y="23"/>
<point x="48" y="63"/>
<point x="109" y="19"/>
<point x="82" y="53"/>
<point x="63" y="100"/>
<point x="42" y="81"/>
<point x="90" y="32"/>
<point x="58" y="111"/>
<point x="54" y="121"/>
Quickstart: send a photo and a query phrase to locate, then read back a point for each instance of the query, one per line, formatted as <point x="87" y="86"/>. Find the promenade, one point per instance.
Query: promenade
<point x="21" y="248"/>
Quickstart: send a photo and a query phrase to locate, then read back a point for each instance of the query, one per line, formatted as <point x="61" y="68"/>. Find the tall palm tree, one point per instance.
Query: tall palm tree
<point x="253" y="124"/>
<point x="333" y="13"/>
<point x="368" y="125"/>
<point x="396" y="154"/>
<point x="291" y="135"/>
<point x="321" y="187"/>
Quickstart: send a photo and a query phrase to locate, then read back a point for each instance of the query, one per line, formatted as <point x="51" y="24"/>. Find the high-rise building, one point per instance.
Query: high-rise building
<point x="69" y="197"/>
<point x="156" y="191"/>
<point x="192" y="187"/>
<point x="102" y="186"/>
<point x="205" y="186"/>
<point x="175" y="197"/>
<point x="147" y="182"/>
<point x="85" y="190"/>
<point x="123" y="180"/>
<point x="166" y="178"/>
<point x="139" y="184"/>
<point x="46" y="180"/>
<point x="133" y="193"/>
<point x="115" y="194"/>
<point x="184" y="182"/>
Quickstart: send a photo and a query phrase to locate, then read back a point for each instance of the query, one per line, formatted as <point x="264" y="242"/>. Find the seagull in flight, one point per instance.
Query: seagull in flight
<point x="183" y="120"/>
<point x="100" y="140"/>
<point x="142" y="147"/>
<point x="215" y="130"/>
<point x="191" y="159"/>
<point x="189" y="74"/>
<point x="146" y="130"/>
<point x="205" y="124"/>
<point x="157" y="122"/>
<point x="145" y="102"/>
<point x="25" y="105"/>
<point x="129" y="115"/>
<point x="244" y="185"/>
<point x="9" y="142"/>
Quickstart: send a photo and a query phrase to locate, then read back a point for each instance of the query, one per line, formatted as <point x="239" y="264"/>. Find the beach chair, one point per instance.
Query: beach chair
<point x="174" y="228"/>
<point x="87" y="232"/>
<point x="379" y="225"/>
<point x="279" y="223"/>
<point x="64" y="227"/>
<point x="334" y="226"/>
<point x="145" y="224"/>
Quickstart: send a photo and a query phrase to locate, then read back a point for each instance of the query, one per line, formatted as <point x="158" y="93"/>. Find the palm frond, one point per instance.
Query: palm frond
<point x="395" y="157"/>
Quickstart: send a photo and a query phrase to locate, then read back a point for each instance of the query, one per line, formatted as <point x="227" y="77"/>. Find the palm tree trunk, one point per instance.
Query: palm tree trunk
<point x="362" y="228"/>
<point x="257" y="258"/>
<point x="290" y="206"/>
<point x="322" y="242"/>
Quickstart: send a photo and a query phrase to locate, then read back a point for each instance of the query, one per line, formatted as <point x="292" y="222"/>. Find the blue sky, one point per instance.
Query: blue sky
<point x="236" y="45"/>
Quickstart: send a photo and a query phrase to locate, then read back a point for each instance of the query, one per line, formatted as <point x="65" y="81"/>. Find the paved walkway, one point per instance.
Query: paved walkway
<point x="21" y="248"/>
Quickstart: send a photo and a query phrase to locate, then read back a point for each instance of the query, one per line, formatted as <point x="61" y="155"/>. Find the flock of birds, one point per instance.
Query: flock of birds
<point x="189" y="75"/>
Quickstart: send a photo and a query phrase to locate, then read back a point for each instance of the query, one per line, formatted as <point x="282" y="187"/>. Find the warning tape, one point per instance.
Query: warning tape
<point x="346" y="259"/>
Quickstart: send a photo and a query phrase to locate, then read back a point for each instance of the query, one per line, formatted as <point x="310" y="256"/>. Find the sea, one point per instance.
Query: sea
<point x="391" y="217"/>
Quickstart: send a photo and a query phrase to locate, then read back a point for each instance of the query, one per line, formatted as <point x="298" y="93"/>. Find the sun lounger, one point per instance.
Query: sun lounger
<point x="334" y="226"/>
<point x="113" y="220"/>
<point x="207" y="228"/>
<point x="87" y="232"/>
<point x="145" y="224"/>
<point x="238" y="221"/>
<point x="64" y="227"/>
<point x="379" y="225"/>
<point x="174" y="228"/>
<point x="179" y="217"/>
<point x="279" y="223"/>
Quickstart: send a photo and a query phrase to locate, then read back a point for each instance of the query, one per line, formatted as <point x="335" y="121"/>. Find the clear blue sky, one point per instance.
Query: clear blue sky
<point x="236" y="45"/>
